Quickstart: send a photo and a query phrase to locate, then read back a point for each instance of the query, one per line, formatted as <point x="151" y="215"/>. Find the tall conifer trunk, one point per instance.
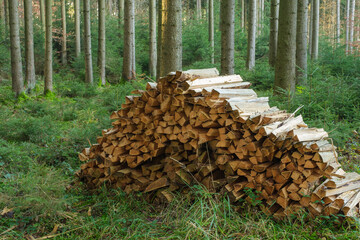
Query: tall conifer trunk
<point x="250" y="62"/>
<point x="315" y="30"/>
<point x="77" y="29"/>
<point x="101" y="42"/>
<point x="227" y="36"/>
<point x="285" y="58"/>
<point x="301" y="42"/>
<point x="153" y="51"/>
<point x="211" y="30"/>
<point x="171" y="37"/>
<point x="16" y="64"/>
<point x="129" y="37"/>
<point x="64" y="37"/>
<point x="87" y="44"/>
<point x="48" y="47"/>
<point x="29" y="45"/>
<point x="274" y="26"/>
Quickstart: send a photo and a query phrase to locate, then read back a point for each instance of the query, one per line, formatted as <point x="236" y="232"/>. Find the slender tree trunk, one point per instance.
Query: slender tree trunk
<point x="171" y="37"/>
<point x="63" y="22"/>
<point x="347" y="28"/>
<point x="311" y="25"/>
<point x="227" y="24"/>
<point x="29" y="46"/>
<point x="16" y="64"/>
<point x="159" y="29"/>
<point x="301" y="42"/>
<point x="211" y="30"/>
<point x="285" y="58"/>
<point x="129" y="55"/>
<point x="315" y="33"/>
<point x="48" y="47"/>
<point x="6" y="14"/>
<point x="110" y="7"/>
<point x="352" y="23"/>
<point x="243" y="10"/>
<point x="338" y="26"/>
<point x="77" y="29"/>
<point x="250" y="62"/>
<point x="198" y="9"/>
<point x="260" y="16"/>
<point x="101" y="42"/>
<point x="120" y="13"/>
<point x="2" y="13"/>
<point x="42" y="14"/>
<point x="87" y="44"/>
<point x="274" y="26"/>
<point x="153" y="51"/>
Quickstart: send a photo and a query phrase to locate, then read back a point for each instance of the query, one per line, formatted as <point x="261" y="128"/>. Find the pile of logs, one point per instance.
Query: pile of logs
<point x="196" y="127"/>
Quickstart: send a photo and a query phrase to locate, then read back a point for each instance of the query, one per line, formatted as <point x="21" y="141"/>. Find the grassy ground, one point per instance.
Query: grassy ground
<point x="41" y="136"/>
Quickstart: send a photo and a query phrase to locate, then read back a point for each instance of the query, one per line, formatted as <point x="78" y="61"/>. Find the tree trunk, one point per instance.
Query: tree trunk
<point x="42" y="14"/>
<point x="87" y="44"/>
<point x="2" y="14"/>
<point x="301" y="42"/>
<point x="129" y="55"/>
<point x="285" y="58"/>
<point x="16" y="64"/>
<point x="63" y="21"/>
<point x="243" y="15"/>
<point x="120" y="13"/>
<point x="347" y="28"/>
<point x="110" y="7"/>
<point x="351" y="30"/>
<point x="101" y="41"/>
<point x="77" y="28"/>
<point x="153" y="56"/>
<point x="274" y="26"/>
<point x="211" y="30"/>
<point x="198" y="9"/>
<point x="159" y="29"/>
<point x="250" y="62"/>
<point x="48" y="47"/>
<point x="338" y="26"/>
<point x="311" y="25"/>
<point x="315" y="29"/>
<point x="29" y="46"/>
<point x="171" y="37"/>
<point x="6" y="14"/>
<point x="260" y="17"/>
<point x="227" y="9"/>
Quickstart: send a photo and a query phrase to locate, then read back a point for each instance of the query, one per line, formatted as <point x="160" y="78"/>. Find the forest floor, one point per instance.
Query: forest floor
<point x="40" y="138"/>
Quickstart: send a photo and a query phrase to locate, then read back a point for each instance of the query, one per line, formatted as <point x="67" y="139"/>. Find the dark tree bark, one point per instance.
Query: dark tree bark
<point x="227" y="36"/>
<point x="285" y="58"/>
<point x="16" y="64"/>
<point x="29" y="46"/>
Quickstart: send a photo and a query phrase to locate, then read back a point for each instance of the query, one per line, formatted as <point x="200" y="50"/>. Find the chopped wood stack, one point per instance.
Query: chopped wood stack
<point x="197" y="127"/>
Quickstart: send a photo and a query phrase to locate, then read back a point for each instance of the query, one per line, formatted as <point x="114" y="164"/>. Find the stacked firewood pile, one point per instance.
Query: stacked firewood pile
<point x="197" y="127"/>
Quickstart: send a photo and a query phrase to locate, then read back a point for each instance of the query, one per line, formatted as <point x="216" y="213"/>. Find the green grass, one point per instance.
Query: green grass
<point x="41" y="136"/>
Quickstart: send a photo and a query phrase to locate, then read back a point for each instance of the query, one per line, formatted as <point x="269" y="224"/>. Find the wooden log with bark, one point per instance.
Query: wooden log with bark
<point x="196" y="127"/>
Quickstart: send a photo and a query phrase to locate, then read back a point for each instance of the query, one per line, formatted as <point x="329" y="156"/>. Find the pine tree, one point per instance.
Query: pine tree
<point x="63" y="22"/>
<point x="274" y="26"/>
<point x="153" y="51"/>
<point x="129" y="41"/>
<point x="77" y="28"/>
<point x="250" y="62"/>
<point x="48" y="47"/>
<point x="227" y="25"/>
<point x="101" y="41"/>
<point x="301" y="42"/>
